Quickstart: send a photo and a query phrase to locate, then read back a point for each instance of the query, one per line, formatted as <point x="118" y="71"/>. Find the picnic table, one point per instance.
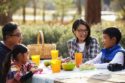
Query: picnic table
<point x="77" y="76"/>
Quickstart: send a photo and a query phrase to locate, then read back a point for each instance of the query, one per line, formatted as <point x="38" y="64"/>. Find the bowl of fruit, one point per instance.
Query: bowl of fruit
<point x="68" y="66"/>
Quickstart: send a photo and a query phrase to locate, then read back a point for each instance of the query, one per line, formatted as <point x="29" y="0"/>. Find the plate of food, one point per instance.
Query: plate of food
<point x="86" y="67"/>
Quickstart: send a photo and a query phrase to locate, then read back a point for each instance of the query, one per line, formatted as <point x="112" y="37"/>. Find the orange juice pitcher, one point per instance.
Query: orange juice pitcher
<point x="78" y="59"/>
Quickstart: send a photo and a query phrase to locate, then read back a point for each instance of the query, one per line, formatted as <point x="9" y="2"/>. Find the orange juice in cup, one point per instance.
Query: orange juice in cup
<point x="78" y="59"/>
<point x="54" y="54"/>
<point x="56" y="65"/>
<point x="36" y="59"/>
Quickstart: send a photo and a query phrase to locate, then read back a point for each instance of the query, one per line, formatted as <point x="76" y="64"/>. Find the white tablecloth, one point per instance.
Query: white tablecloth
<point x="48" y="77"/>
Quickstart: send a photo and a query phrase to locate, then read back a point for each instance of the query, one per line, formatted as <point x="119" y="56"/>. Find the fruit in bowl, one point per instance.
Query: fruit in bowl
<point x="47" y="63"/>
<point x="68" y="66"/>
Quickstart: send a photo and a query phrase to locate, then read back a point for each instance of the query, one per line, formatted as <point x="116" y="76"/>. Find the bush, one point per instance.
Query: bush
<point x="62" y="43"/>
<point x="97" y="30"/>
<point x="51" y="33"/>
<point x="60" y="34"/>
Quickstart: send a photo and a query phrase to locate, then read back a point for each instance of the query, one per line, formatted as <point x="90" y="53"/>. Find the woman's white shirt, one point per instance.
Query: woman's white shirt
<point x="119" y="58"/>
<point x="81" y="46"/>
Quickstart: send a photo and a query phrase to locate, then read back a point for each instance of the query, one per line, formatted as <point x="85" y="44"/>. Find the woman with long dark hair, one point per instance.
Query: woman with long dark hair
<point x="82" y="42"/>
<point x="16" y="68"/>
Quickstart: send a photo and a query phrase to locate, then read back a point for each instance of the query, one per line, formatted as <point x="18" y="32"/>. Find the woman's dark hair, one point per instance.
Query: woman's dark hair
<point x="8" y="29"/>
<point x="76" y="26"/>
<point x="12" y="56"/>
<point x="113" y="32"/>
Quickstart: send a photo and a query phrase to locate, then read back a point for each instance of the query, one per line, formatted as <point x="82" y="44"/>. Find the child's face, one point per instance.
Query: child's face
<point x="108" y="42"/>
<point x="23" y="58"/>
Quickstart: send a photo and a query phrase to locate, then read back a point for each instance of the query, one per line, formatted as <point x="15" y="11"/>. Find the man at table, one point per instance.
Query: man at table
<point x="112" y="53"/>
<point x="11" y="37"/>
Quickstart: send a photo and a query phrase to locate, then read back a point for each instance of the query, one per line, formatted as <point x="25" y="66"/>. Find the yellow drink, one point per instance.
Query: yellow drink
<point x="54" y="54"/>
<point x="56" y="66"/>
<point x="36" y="59"/>
<point x="78" y="59"/>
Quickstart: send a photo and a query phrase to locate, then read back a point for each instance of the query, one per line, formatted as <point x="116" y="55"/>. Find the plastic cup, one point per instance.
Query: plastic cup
<point x="54" y="54"/>
<point x="56" y="66"/>
<point x="36" y="59"/>
<point x="78" y="59"/>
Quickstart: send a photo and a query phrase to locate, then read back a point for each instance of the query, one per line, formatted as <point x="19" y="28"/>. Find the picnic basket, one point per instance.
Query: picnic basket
<point x="42" y="49"/>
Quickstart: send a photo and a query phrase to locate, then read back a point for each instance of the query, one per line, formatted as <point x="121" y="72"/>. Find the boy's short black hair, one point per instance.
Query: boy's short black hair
<point x="8" y="29"/>
<point x="113" y="32"/>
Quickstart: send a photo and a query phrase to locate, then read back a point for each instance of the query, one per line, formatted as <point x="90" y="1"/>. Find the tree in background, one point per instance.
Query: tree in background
<point x="93" y="11"/>
<point x="24" y="11"/>
<point x="106" y="5"/>
<point x="5" y="13"/>
<point x="62" y="6"/>
<point x="34" y="9"/>
<point x="43" y="10"/>
<point x="119" y="6"/>
<point x="8" y="8"/>
<point x="42" y="5"/>
<point x="79" y="7"/>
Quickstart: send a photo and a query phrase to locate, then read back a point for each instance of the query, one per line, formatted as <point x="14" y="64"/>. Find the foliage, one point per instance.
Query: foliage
<point x="65" y="4"/>
<point x="62" y="43"/>
<point x="97" y="30"/>
<point x="119" y="6"/>
<point x="60" y="34"/>
<point x="62" y="7"/>
<point x="11" y="5"/>
<point x="3" y="8"/>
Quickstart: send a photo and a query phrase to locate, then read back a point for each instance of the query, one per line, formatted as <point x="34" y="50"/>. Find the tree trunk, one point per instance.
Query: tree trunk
<point x="79" y="7"/>
<point x="43" y="13"/>
<point x="5" y="18"/>
<point x="34" y="8"/>
<point x="62" y="17"/>
<point x="62" y="14"/>
<point x="43" y="10"/>
<point x="24" y="13"/>
<point x="93" y="11"/>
